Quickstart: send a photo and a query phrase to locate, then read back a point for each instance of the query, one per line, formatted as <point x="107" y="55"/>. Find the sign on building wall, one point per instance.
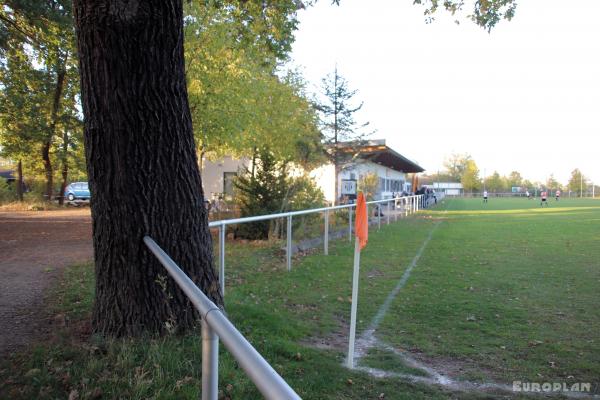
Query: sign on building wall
<point x="348" y="187"/>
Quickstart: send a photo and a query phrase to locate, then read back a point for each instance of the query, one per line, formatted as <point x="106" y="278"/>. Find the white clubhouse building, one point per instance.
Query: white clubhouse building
<point x="372" y="157"/>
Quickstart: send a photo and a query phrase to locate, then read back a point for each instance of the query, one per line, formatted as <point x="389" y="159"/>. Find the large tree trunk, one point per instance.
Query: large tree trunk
<point x="20" y="180"/>
<point x="142" y="165"/>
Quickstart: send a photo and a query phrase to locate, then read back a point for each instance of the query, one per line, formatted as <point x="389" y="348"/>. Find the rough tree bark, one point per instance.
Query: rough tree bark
<point x="142" y="165"/>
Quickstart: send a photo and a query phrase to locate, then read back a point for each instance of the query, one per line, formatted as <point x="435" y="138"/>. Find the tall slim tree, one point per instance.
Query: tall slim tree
<point x="342" y="134"/>
<point x="577" y="182"/>
<point x="552" y="184"/>
<point x="142" y="164"/>
<point x="470" y="177"/>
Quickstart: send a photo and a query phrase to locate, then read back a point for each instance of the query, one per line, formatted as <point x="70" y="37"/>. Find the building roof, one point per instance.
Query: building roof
<point x="378" y="152"/>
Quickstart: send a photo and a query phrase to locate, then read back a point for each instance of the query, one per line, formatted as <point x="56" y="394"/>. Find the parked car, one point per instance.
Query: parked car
<point x="77" y="191"/>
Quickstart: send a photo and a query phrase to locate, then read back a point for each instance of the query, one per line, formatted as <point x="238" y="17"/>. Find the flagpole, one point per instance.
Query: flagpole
<point x="350" y="360"/>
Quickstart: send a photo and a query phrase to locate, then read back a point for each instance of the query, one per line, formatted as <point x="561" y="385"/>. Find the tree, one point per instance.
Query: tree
<point x="470" y="177"/>
<point x="238" y="101"/>
<point x="577" y="182"/>
<point x="514" y="179"/>
<point x="368" y="184"/>
<point x="142" y="165"/>
<point x="456" y="164"/>
<point x="527" y="184"/>
<point x="39" y="71"/>
<point x="261" y="190"/>
<point x="266" y="188"/>
<point x="342" y="134"/>
<point x="552" y="183"/>
<point x="485" y="13"/>
<point x="494" y="183"/>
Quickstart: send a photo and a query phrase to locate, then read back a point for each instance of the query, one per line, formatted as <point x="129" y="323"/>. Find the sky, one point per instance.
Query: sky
<point x="524" y="97"/>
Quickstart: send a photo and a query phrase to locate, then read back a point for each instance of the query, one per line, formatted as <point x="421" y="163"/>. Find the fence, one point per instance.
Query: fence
<point x="215" y="324"/>
<point x="405" y="205"/>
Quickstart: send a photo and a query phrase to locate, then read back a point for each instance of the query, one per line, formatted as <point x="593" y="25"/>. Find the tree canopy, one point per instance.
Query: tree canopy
<point x="238" y="101"/>
<point x="485" y="13"/>
<point x="39" y="81"/>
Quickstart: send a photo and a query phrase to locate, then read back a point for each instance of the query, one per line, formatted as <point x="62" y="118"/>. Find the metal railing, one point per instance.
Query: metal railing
<point x="214" y="323"/>
<point x="408" y="204"/>
<point x="215" y="326"/>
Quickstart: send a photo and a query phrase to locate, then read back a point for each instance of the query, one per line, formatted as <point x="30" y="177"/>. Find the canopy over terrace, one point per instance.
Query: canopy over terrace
<point x="378" y="152"/>
<point x="361" y="158"/>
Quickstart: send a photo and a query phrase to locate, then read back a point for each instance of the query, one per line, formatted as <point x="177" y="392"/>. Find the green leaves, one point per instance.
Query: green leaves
<point x="39" y="82"/>
<point x="485" y="13"/>
<point x="237" y="99"/>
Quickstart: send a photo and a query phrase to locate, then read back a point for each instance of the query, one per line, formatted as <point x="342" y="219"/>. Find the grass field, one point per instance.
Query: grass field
<point x="503" y="291"/>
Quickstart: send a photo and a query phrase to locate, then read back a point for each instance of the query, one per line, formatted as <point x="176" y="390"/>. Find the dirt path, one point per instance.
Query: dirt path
<point x="34" y="248"/>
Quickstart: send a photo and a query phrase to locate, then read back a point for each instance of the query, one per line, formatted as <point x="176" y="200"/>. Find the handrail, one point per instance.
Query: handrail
<point x="266" y="379"/>
<point x="412" y="203"/>
<point x="216" y="224"/>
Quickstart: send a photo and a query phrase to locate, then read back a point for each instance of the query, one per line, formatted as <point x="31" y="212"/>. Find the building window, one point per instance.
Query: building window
<point x="228" y="182"/>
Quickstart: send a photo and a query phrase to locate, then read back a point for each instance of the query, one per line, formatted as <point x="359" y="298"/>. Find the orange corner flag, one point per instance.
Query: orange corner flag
<point x="361" y="226"/>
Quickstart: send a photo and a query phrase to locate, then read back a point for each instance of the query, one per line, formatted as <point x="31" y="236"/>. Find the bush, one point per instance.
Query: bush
<point x="268" y="190"/>
<point x="7" y="191"/>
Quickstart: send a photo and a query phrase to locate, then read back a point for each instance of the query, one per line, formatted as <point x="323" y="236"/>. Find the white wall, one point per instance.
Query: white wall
<point x="325" y="176"/>
<point x="212" y="174"/>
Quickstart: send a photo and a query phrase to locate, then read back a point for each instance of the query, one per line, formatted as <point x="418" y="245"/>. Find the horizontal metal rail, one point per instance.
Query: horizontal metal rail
<point x="409" y="204"/>
<point x="216" y="224"/>
<point x="266" y="379"/>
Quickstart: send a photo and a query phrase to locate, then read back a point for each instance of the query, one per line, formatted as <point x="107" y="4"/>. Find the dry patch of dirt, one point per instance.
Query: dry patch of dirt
<point x="35" y="246"/>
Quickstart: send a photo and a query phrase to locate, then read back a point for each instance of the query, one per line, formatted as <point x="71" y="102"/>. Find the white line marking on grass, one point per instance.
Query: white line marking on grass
<point x="388" y="302"/>
<point x="367" y="339"/>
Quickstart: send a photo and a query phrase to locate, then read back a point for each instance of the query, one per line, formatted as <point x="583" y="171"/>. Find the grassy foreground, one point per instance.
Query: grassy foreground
<point x="503" y="291"/>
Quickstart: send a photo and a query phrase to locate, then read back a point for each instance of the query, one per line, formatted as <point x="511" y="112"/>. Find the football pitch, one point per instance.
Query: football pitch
<point x="465" y="297"/>
<point x="505" y="291"/>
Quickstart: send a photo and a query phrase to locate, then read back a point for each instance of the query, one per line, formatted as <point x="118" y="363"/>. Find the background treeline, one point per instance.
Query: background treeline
<point x="463" y="168"/>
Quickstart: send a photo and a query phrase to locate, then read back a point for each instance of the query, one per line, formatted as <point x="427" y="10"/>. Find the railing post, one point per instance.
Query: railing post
<point x="378" y="205"/>
<point x="350" y="224"/>
<point x="326" y="234"/>
<point x="388" y="212"/>
<point x="210" y="363"/>
<point x="289" y="243"/>
<point x="222" y="257"/>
